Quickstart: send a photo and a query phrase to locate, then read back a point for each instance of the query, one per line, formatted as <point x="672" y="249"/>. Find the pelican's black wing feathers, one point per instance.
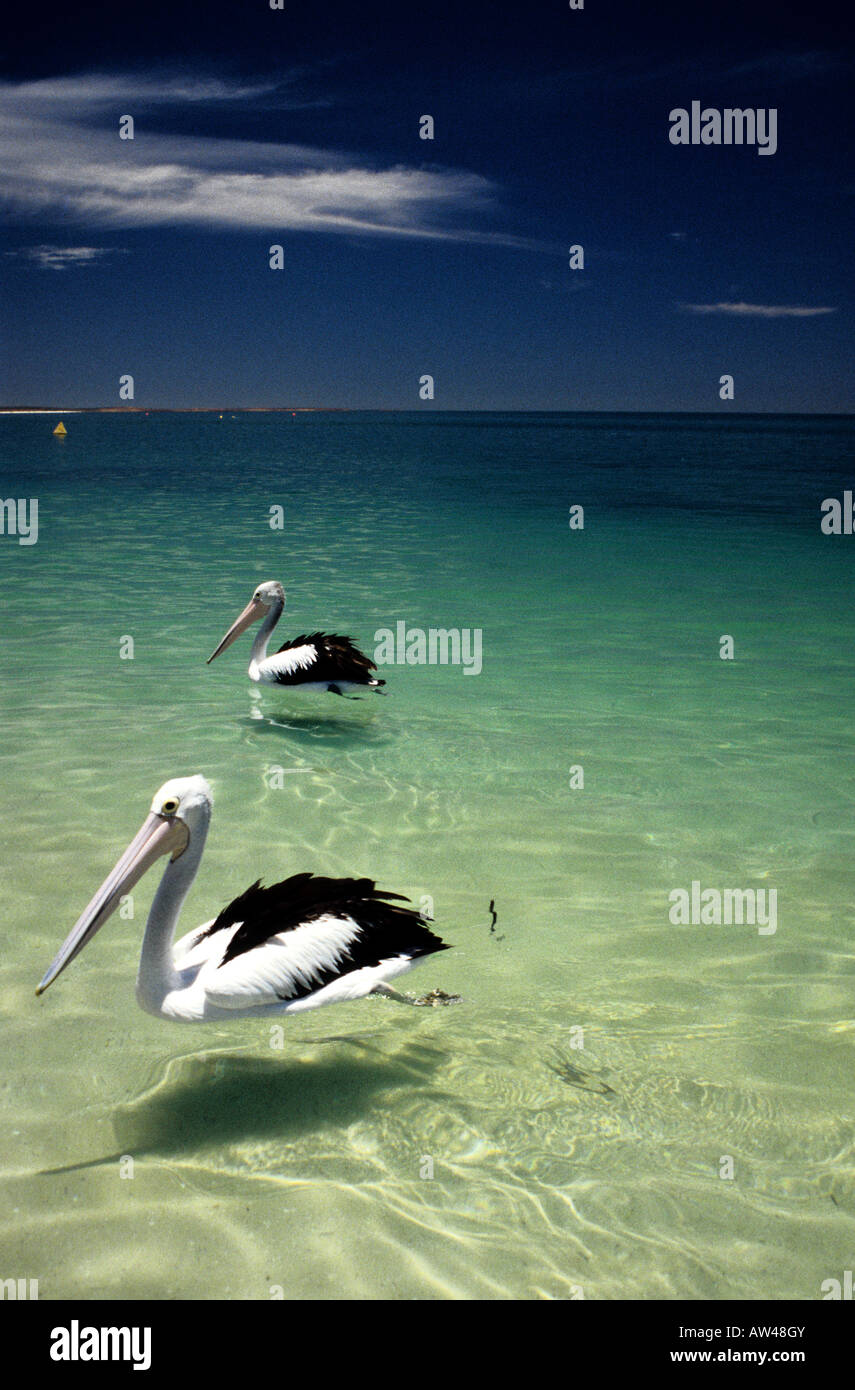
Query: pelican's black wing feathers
<point x="385" y="929"/>
<point x="325" y="656"/>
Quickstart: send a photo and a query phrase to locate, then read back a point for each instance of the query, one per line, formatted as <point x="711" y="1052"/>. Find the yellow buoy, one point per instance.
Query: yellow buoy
<point x="60" y="429"/>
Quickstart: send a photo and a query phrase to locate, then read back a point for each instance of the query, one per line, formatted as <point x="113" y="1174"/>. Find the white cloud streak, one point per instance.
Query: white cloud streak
<point x="760" y="311"/>
<point x="60" y="257"/>
<point x="61" y="160"/>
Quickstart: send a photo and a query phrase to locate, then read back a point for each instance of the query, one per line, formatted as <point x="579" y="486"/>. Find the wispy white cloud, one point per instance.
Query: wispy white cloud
<point x="86" y="94"/>
<point x="61" y="158"/>
<point x="786" y="66"/>
<point x="631" y="71"/>
<point x="760" y="311"/>
<point x="60" y="257"/>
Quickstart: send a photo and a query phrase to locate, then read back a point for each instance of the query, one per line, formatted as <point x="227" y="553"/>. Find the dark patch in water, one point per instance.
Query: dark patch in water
<point x="571" y="1075"/>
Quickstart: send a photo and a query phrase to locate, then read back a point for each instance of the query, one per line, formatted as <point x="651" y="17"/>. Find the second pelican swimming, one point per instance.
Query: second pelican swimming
<point x="318" y="662"/>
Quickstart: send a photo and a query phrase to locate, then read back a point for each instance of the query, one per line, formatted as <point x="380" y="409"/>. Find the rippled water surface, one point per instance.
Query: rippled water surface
<point x="565" y="1128"/>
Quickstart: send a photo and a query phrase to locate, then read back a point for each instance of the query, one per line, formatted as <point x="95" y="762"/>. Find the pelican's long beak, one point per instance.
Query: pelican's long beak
<point x="254" y="610"/>
<point x="158" y="835"/>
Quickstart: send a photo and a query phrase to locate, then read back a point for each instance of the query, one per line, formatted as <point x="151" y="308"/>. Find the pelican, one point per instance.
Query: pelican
<point x="296" y="945"/>
<point x="317" y="662"/>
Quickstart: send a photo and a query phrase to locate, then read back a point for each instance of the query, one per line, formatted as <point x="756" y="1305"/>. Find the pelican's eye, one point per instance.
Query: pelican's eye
<point x="170" y="806"/>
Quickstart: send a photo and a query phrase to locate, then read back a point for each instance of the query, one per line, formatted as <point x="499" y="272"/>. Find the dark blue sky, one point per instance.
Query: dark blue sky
<point x="403" y="256"/>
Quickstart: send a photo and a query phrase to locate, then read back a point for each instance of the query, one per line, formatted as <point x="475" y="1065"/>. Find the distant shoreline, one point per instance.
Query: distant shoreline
<point x="162" y="409"/>
<point x="405" y="410"/>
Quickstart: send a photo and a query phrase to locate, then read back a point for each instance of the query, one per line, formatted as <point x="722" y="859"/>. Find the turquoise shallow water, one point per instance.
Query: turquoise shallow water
<point x="556" y="1168"/>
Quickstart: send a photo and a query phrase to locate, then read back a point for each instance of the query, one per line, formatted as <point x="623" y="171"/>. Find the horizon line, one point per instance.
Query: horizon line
<point x="384" y="410"/>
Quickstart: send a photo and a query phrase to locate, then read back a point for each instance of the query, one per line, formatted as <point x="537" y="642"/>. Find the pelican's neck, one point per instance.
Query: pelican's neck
<point x="156" y="975"/>
<point x="259" y="646"/>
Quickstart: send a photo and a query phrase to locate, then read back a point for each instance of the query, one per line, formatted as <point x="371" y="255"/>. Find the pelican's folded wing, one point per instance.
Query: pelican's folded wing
<point x="291" y="664"/>
<point x="319" y="656"/>
<point x="282" y="944"/>
<point x="290" y="966"/>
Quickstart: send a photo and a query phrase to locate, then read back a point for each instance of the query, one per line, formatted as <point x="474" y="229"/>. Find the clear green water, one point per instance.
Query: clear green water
<point x="300" y="1168"/>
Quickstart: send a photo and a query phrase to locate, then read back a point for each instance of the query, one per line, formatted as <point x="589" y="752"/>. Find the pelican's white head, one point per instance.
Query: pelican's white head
<point x="186" y="799"/>
<point x="180" y="811"/>
<point x="269" y="592"/>
<point x="268" y="596"/>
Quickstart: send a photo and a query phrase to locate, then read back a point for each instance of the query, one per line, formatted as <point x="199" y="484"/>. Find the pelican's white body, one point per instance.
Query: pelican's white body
<point x="194" y="988"/>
